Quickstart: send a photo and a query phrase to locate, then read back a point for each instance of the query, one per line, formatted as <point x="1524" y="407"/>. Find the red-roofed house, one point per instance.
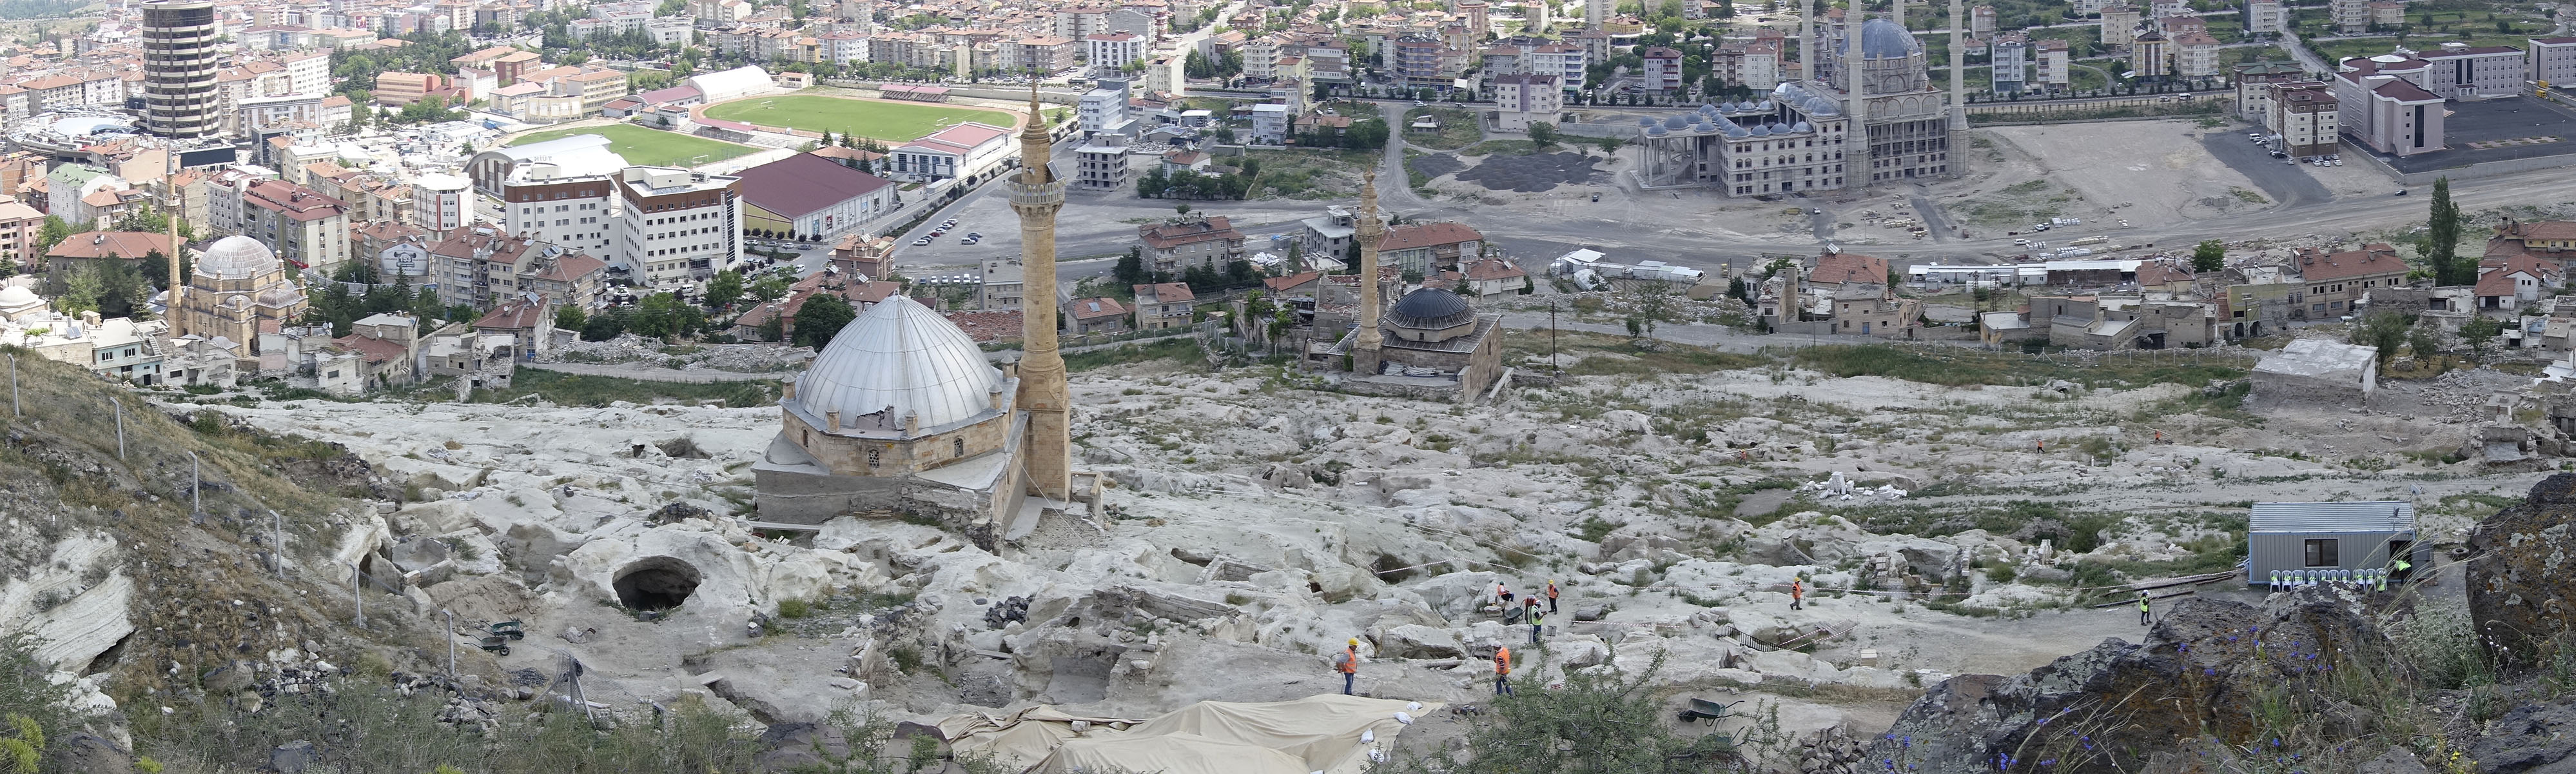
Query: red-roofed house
<point x="860" y="296"/>
<point x="1839" y="269"/>
<point x="1164" y="305"/>
<point x="530" y="317"/>
<point x="1490" y="276"/>
<point x="385" y="345"/>
<point x="2553" y="240"/>
<point x="130" y="246"/>
<point x="1084" y="316"/>
<point x="2507" y="283"/>
<point x="2335" y="280"/>
<point x="1191" y="241"/>
<point x="1429" y="247"/>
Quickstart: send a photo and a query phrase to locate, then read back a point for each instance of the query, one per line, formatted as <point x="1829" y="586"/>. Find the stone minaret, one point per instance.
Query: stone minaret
<point x="1896" y="13"/>
<point x="1856" y="174"/>
<point x="178" y="206"/>
<point x="1036" y="195"/>
<point x="1370" y="229"/>
<point x="1807" y="43"/>
<point x="1959" y="145"/>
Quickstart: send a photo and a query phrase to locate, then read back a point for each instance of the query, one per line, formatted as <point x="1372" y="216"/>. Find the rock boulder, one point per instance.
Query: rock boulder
<point x="2522" y="572"/>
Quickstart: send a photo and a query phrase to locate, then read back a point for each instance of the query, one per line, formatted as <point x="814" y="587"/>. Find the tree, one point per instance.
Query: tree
<point x="1542" y="134"/>
<point x="725" y="289"/>
<point x="2423" y="344"/>
<point x="608" y="324"/>
<point x="1183" y="207"/>
<point x="769" y="289"/>
<point x="2209" y="256"/>
<point x="1131" y="267"/>
<point x="2384" y="331"/>
<point x="2442" y="240"/>
<point x="821" y="318"/>
<point x="663" y="315"/>
<point x="569" y="317"/>
<point x="1600" y="721"/>
<point x="1735" y="289"/>
<point x="2480" y="332"/>
<point x="52" y="233"/>
<point x="1653" y="305"/>
<point x="81" y="290"/>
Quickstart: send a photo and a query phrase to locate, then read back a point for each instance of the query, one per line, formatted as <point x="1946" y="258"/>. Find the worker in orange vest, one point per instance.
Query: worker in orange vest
<point x="1551" y="597"/>
<point x="1349" y="664"/>
<point x="1797" y="594"/>
<point x="1502" y="671"/>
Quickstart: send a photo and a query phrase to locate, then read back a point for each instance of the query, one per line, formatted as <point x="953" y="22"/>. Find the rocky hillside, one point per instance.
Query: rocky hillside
<point x="2323" y="679"/>
<point x="135" y="599"/>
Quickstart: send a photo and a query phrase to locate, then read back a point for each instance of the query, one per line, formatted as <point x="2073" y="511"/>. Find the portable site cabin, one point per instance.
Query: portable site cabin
<point x="2327" y="537"/>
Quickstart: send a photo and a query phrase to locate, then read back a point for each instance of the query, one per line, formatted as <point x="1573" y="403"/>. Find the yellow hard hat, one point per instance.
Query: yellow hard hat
<point x="1355" y="642"/>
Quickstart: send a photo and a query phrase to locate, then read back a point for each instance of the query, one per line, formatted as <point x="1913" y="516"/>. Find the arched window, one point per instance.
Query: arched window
<point x="957" y="446"/>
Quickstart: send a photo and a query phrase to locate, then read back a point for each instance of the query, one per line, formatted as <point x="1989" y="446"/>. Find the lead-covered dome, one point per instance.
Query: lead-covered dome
<point x="17" y="295"/>
<point x="236" y="257"/>
<point x="899" y="354"/>
<point x="1882" y="39"/>
<point x="1430" y="308"/>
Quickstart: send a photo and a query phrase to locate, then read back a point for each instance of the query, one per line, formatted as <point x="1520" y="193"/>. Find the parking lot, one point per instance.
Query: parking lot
<point x="2494" y="130"/>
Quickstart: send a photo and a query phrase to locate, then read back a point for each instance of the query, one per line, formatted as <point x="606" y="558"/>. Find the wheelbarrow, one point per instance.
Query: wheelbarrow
<point x="1703" y="709"/>
<point x="497" y="644"/>
<point x="511" y="629"/>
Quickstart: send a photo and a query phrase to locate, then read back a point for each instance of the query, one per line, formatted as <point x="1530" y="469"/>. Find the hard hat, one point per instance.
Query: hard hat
<point x="1355" y="642"/>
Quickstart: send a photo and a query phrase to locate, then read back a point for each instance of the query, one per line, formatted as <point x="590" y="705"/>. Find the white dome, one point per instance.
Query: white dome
<point x="16" y="295"/>
<point x="236" y="257"/>
<point x="898" y="353"/>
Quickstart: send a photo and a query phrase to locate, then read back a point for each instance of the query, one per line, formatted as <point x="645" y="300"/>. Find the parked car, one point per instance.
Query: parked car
<point x="921" y="242"/>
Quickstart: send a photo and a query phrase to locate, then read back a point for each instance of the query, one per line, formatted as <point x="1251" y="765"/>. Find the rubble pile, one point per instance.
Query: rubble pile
<point x="630" y="348"/>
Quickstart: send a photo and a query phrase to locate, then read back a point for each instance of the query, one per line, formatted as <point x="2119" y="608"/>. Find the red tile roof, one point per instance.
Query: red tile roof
<point x="988" y="326"/>
<point x="101" y="244"/>
<point x="1417" y="235"/>
<point x="1087" y="309"/>
<point x="1165" y="293"/>
<point x="1840" y="268"/>
<point x="370" y="350"/>
<point x="1165" y="236"/>
<point x="2372" y="259"/>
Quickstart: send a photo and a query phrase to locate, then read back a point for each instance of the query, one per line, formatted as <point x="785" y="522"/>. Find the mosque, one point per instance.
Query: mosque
<point x="237" y="290"/>
<point x="1800" y="138"/>
<point x="902" y="414"/>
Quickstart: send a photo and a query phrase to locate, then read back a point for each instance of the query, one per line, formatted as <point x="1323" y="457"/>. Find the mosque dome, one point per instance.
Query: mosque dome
<point x="1762" y="131"/>
<point x="898" y="353"/>
<point x="1736" y="130"/>
<point x="1676" y="122"/>
<point x="15" y="296"/>
<point x="236" y="257"/>
<point x="1646" y="121"/>
<point x="1882" y="39"/>
<point x="1430" y="309"/>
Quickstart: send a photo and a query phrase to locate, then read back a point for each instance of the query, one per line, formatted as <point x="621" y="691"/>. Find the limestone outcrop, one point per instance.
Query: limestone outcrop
<point x="2522" y="573"/>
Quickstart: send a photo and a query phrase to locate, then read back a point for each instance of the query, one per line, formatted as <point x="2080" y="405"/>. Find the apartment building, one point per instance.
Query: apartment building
<point x="302" y="226"/>
<point x="1191" y="241"/>
<point x="676" y="225"/>
<point x="551" y="204"/>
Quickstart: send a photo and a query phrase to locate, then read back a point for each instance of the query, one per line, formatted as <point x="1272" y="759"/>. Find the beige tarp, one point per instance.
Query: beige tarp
<point x="1317" y="733"/>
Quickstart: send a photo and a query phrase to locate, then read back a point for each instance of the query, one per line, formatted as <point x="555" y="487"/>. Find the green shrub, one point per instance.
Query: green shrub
<point x="794" y="608"/>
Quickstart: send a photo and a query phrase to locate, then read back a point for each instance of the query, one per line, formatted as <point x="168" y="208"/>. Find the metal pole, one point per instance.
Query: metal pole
<point x="357" y="596"/>
<point x="120" y="426"/>
<point x="451" y="644"/>
<point x="277" y="543"/>
<point x="1555" y="366"/>
<point x="196" y="484"/>
<point x="13" y="387"/>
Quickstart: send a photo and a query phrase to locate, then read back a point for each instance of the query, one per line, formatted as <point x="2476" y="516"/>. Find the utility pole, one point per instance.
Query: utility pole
<point x="357" y="596"/>
<point x="277" y="543"/>
<point x="1554" y="365"/>
<point x="451" y="644"/>
<point x="196" y="484"/>
<point x="13" y="388"/>
<point x="120" y="426"/>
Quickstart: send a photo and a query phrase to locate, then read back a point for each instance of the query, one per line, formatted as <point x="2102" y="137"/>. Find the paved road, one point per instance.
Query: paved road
<point x="2285" y="182"/>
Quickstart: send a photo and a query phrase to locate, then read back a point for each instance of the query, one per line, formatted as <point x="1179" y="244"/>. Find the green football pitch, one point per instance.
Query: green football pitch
<point x="650" y="147"/>
<point x="890" y="122"/>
